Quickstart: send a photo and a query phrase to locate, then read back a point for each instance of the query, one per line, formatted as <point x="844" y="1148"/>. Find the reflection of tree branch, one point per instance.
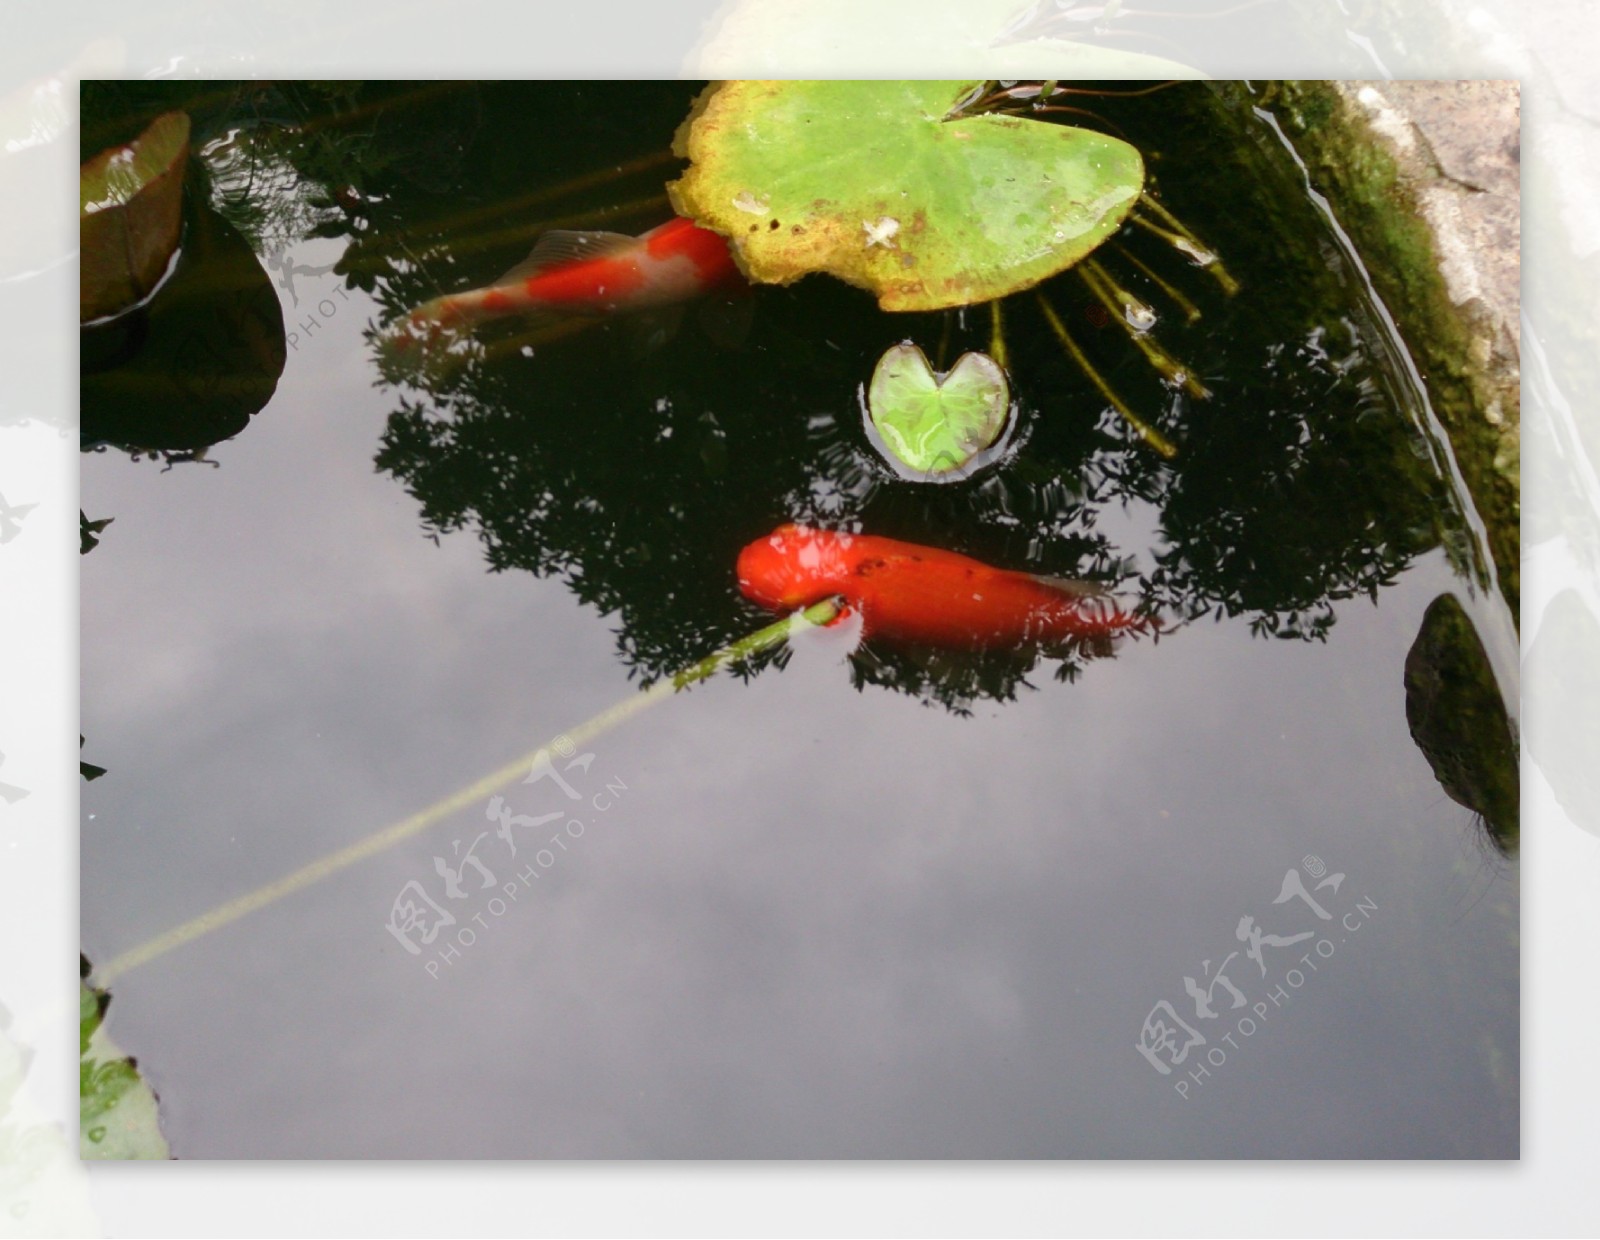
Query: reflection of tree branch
<point x="635" y="473"/>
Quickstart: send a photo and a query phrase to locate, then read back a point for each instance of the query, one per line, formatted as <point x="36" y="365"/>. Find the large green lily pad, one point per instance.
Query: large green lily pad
<point x="937" y="423"/>
<point x="871" y="182"/>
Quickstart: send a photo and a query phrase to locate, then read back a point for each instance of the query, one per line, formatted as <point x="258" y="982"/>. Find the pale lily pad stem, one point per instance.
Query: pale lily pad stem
<point x="1172" y="230"/>
<point x="997" y="336"/>
<point x="452" y="226"/>
<point x="653" y="207"/>
<point x="1135" y="311"/>
<point x="1121" y="303"/>
<point x="825" y="612"/>
<point x="1191" y="312"/>
<point x="472" y="795"/>
<point x="1148" y="433"/>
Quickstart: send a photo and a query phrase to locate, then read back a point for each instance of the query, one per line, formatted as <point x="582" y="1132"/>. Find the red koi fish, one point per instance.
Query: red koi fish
<point x="923" y="594"/>
<point x="586" y="275"/>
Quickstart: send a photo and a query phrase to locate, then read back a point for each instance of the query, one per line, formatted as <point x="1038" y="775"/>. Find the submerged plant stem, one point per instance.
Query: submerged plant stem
<point x="453" y="225"/>
<point x="552" y="193"/>
<point x="1172" y="230"/>
<point x="1148" y="433"/>
<point x="598" y="215"/>
<point x="474" y="793"/>
<point x="997" y="335"/>
<point x="774" y="635"/>
<point x="422" y="93"/>
<point x="379" y="246"/>
<point x="1191" y="312"/>
<point x="1136" y="314"/>
<point x="1124" y="306"/>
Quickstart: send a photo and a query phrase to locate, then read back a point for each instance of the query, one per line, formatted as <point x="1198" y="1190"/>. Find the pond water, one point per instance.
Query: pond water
<point x="840" y="901"/>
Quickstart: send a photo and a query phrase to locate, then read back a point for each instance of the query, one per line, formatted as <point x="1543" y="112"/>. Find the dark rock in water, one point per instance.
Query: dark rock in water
<point x="1458" y="719"/>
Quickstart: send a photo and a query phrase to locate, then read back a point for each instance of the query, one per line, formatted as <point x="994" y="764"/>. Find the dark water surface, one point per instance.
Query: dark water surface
<point x="888" y="905"/>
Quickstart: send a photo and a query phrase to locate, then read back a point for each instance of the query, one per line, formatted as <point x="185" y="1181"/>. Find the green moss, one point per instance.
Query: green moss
<point x="1376" y="201"/>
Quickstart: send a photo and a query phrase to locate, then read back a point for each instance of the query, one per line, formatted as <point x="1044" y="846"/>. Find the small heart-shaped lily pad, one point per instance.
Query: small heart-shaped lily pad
<point x="937" y="423"/>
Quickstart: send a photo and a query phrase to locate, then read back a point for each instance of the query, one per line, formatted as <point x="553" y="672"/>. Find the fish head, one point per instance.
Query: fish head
<point x="795" y="566"/>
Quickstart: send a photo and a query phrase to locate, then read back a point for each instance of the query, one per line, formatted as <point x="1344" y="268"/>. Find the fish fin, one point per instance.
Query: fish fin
<point x="560" y="246"/>
<point x="1073" y="587"/>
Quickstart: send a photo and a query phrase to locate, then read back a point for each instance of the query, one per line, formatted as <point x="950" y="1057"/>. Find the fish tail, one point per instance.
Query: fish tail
<point x="454" y="312"/>
<point x="1098" y="616"/>
<point x="1105" y="613"/>
<point x="420" y="329"/>
<point x="1084" y="609"/>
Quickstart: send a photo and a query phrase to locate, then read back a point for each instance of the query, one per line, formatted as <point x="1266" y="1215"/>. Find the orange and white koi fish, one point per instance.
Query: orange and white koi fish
<point x="586" y="275"/>
<point x="923" y="594"/>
